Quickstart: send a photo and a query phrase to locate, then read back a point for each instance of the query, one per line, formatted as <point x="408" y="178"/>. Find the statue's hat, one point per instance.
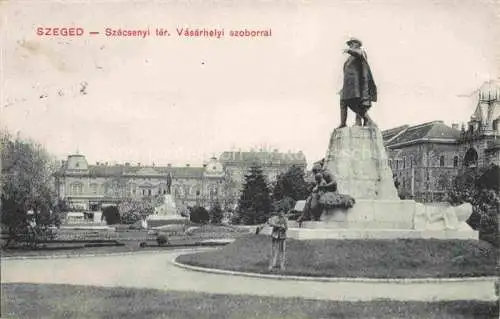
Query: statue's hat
<point x="354" y="40"/>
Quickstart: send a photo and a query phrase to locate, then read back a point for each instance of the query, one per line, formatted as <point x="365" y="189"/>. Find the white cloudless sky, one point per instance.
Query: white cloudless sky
<point x="181" y="100"/>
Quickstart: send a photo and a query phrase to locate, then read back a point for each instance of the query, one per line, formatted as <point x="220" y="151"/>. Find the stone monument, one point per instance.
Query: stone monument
<point x="357" y="160"/>
<point x="167" y="210"/>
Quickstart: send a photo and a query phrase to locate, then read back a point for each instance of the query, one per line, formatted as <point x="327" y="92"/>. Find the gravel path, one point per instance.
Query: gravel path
<point x="156" y="270"/>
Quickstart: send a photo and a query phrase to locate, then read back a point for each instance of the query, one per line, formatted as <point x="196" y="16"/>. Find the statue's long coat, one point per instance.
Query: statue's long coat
<point x="358" y="78"/>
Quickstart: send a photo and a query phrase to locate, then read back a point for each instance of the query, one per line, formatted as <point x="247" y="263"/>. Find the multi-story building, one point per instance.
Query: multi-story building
<point x="425" y="158"/>
<point x="90" y="187"/>
<point x="273" y="163"/>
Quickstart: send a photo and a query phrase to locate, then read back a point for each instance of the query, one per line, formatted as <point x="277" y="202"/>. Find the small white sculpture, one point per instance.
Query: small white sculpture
<point x="442" y="217"/>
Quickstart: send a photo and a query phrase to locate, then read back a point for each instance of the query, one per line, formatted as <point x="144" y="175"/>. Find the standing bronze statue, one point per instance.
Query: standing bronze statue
<point x="359" y="89"/>
<point x="169" y="183"/>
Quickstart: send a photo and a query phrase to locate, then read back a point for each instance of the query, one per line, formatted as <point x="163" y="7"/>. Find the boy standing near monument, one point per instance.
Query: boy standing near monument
<point x="279" y="226"/>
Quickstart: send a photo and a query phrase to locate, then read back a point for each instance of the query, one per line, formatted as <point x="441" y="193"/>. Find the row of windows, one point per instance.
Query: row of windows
<point x="409" y="162"/>
<point x="77" y="189"/>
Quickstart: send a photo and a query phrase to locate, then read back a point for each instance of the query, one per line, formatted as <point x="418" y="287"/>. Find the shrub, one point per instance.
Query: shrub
<point x="216" y="214"/>
<point x="130" y="218"/>
<point x="111" y="215"/>
<point x="162" y="239"/>
<point x="479" y="187"/>
<point x="235" y="218"/>
<point x="199" y="215"/>
<point x="286" y="204"/>
<point x="404" y="194"/>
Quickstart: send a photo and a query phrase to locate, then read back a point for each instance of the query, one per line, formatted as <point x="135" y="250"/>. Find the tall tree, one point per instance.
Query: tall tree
<point x="480" y="187"/>
<point x="27" y="184"/>
<point x="291" y="184"/>
<point x="255" y="201"/>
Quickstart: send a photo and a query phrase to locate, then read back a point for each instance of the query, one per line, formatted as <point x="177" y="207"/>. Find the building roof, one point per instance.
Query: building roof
<point x="387" y="135"/>
<point x="121" y="170"/>
<point x="435" y="131"/>
<point x="263" y="157"/>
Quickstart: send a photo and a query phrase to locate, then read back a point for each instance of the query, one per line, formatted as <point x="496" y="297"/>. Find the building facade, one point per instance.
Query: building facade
<point x="426" y="158"/>
<point x="90" y="187"/>
<point x="237" y="164"/>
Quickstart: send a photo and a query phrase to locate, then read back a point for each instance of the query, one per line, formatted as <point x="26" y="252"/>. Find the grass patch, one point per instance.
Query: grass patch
<point x="128" y="240"/>
<point x="401" y="258"/>
<point x="66" y="301"/>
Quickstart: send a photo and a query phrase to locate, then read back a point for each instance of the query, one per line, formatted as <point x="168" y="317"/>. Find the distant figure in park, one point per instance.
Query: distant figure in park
<point x="359" y="89"/>
<point x="279" y="226"/>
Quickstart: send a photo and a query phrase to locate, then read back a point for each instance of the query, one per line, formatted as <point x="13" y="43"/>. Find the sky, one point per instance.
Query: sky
<point x="171" y="99"/>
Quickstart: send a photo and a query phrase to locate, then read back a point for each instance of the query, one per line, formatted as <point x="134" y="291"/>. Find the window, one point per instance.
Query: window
<point x="495" y="125"/>
<point x="149" y="192"/>
<point x="441" y="160"/>
<point x="93" y="188"/>
<point x="455" y="161"/>
<point x="76" y="188"/>
<point x="411" y="161"/>
<point x="132" y="188"/>
<point x="404" y="162"/>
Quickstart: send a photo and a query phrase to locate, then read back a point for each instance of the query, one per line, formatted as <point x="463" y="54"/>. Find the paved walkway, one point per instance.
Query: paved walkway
<point x="156" y="270"/>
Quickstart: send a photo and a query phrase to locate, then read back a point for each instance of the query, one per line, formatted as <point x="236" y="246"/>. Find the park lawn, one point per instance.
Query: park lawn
<point x="67" y="301"/>
<point x="401" y="258"/>
<point x="130" y="240"/>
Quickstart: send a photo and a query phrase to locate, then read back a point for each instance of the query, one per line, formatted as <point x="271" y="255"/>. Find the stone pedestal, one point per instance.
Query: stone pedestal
<point x="389" y="219"/>
<point x="357" y="158"/>
<point x="166" y="212"/>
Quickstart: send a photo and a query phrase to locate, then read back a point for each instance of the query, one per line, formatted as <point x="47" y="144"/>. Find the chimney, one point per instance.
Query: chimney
<point x="187" y="165"/>
<point x="205" y="164"/>
<point x="97" y="163"/>
<point x="127" y="164"/>
<point x="454" y="126"/>
<point x="169" y="165"/>
<point x="106" y="164"/>
<point x="139" y="164"/>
